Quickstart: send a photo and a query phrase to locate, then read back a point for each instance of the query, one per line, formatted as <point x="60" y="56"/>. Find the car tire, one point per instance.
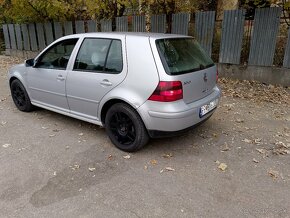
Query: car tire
<point x="20" y="96"/>
<point x="125" y="128"/>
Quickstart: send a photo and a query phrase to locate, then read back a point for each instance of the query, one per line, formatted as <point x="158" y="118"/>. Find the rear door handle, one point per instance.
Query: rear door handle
<point x="106" y="82"/>
<point x="60" y="78"/>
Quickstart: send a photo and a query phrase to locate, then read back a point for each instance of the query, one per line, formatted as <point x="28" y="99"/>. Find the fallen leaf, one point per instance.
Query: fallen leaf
<point x="6" y="145"/>
<point x="167" y="155"/>
<point x="127" y="157"/>
<point x="257" y="141"/>
<point x="225" y="147"/>
<point x="282" y="144"/>
<point x="247" y="141"/>
<point x="169" y="169"/>
<point x="75" y="167"/>
<point x="92" y="169"/>
<point x="255" y="160"/>
<point x="110" y="157"/>
<point x="273" y="173"/>
<point x="153" y="162"/>
<point x="281" y="151"/>
<point x="215" y="135"/>
<point x="223" y="166"/>
<point x="239" y="120"/>
<point x="281" y="148"/>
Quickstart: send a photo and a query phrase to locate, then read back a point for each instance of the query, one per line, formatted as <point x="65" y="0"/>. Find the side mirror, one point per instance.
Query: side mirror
<point x="30" y="62"/>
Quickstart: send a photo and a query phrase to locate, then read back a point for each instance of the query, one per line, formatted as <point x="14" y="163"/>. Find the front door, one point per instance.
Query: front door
<point x="46" y="80"/>
<point x="98" y="68"/>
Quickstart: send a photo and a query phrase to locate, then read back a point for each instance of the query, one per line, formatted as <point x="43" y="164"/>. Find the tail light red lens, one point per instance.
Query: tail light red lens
<point x="167" y="91"/>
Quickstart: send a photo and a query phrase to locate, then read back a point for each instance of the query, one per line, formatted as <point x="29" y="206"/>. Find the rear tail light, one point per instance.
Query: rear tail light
<point x="167" y="91"/>
<point x="217" y="75"/>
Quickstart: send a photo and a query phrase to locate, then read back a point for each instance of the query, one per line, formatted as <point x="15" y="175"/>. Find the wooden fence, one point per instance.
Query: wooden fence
<point x="35" y="37"/>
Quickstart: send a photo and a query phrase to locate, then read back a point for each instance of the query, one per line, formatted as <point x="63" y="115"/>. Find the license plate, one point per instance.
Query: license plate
<point x="208" y="107"/>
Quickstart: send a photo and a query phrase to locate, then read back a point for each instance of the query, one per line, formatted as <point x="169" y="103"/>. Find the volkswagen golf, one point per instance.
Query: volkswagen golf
<point x="136" y="85"/>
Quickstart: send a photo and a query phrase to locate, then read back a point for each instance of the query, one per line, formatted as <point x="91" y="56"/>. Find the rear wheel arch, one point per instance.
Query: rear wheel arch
<point x="109" y="104"/>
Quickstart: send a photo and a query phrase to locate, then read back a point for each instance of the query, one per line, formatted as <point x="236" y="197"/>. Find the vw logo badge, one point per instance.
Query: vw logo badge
<point x="205" y="77"/>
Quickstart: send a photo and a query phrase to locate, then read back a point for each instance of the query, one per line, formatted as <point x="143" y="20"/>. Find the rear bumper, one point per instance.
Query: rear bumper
<point x="163" y="134"/>
<point x="174" y="116"/>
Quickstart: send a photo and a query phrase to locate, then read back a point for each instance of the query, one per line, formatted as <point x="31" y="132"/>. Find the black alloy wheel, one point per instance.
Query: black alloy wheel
<point x="125" y="128"/>
<point x="20" y="96"/>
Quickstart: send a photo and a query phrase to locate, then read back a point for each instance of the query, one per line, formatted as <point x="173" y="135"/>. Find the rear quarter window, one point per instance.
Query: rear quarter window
<point x="182" y="55"/>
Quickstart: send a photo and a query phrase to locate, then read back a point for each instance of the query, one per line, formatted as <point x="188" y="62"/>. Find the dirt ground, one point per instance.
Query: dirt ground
<point x="237" y="164"/>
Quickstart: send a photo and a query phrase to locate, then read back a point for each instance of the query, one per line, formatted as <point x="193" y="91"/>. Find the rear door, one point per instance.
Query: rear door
<point x="184" y="60"/>
<point x="98" y="68"/>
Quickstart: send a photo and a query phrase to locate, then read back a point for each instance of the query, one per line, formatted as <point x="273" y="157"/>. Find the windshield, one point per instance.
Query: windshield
<point x="182" y="55"/>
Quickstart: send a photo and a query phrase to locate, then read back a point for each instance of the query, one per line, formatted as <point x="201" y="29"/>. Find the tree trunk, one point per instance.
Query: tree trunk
<point x="226" y="5"/>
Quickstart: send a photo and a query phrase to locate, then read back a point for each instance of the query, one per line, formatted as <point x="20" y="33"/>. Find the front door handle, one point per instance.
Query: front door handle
<point x="60" y="78"/>
<point x="106" y="82"/>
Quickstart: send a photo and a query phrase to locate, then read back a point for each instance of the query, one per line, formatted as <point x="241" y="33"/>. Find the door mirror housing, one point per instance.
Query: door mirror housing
<point x="31" y="62"/>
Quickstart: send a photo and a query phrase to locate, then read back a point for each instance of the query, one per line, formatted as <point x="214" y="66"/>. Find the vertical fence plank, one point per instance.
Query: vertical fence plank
<point x="232" y="36"/>
<point x="80" y="26"/>
<point x="158" y="23"/>
<point x="18" y="37"/>
<point x="204" y="29"/>
<point x="286" y="61"/>
<point x="57" y="30"/>
<point x="92" y="26"/>
<point x="12" y="36"/>
<point x="40" y="35"/>
<point x="263" y="42"/>
<point x="122" y="24"/>
<point x="25" y="34"/>
<point x="139" y="24"/>
<point x="106" y="25"/>
<point x="180" y="23"/>
<point x="68" y="28"/>
<point x="48" y="33"/>
<point x="6" y="36"/>
<point x="32" y="36"/>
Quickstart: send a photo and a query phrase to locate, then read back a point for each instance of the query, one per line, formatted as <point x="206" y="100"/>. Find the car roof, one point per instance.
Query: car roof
<point x="132" y="34"/>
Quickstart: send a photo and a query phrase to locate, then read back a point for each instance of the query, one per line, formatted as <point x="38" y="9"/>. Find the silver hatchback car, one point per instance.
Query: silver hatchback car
<point x="136" y="85"/>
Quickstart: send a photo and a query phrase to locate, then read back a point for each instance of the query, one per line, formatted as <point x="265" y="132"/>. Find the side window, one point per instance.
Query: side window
<point x="100" y="55"/>
<point x="58" y="55"/>
<point x="115" y="59"/>
<point x="92" y="55"/>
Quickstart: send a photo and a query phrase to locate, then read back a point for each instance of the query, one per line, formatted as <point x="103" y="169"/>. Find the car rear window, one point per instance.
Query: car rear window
<point x="182" y="55"/>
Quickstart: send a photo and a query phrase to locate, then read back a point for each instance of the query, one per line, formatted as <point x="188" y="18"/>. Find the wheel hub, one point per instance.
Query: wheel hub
<point x="123" y="129"/>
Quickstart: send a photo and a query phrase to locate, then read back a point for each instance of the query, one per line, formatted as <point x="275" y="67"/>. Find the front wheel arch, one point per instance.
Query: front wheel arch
<point x="20" y="96"/>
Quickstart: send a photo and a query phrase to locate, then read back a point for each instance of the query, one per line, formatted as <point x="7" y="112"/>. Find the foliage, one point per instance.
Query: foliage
<point x="251" y="5"/>
<point x="20" y="11"/>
